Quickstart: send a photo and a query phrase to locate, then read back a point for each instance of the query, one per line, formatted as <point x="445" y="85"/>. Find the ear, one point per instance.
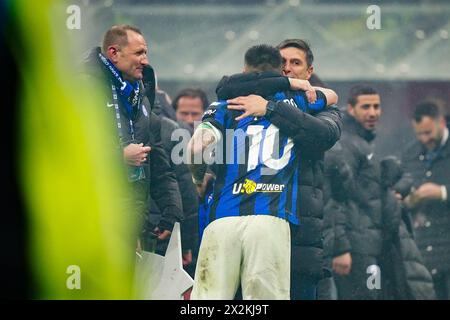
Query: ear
<point x="112" y="53"/>
<point x="350" y="109"/>
<point x="309" y="72"/>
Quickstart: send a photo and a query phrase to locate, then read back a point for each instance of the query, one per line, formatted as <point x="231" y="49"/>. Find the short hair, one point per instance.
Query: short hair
<point x="299" y="44"/>
<point x="191" y="93"/>
<point x="118" y="35"/>
<point x="263" y="57"/>
<point x="357" y="91"/>
<point x="427" y="109"/>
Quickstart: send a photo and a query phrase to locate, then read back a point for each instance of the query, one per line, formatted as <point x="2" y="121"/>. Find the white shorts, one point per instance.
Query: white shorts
<point x="253" y="250"/>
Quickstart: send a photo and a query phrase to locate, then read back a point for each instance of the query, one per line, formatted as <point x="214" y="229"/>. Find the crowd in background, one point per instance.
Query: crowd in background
<point x="363" y="226"/>
<point x="411" y="240"/>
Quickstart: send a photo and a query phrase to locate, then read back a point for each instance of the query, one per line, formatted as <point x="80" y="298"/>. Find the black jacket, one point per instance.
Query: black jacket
<point x="160" y="178"/>
<point x="405" y="276"/>
<point x="312" y="135"/>
<point x="362" y="215"/>
<point x="354" y="194"/>
<point x="189" y="227"/>
<point x="432" y="228"/>
<point x="162" y="107"/>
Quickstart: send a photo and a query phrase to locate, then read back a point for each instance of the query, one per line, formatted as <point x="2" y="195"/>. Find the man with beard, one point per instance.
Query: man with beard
<point x="427" y="160"/>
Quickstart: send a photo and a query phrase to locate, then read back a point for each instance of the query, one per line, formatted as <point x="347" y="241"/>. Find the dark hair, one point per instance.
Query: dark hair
<point x="427" y="109"/>
<point x="357" y="91"/>
<point x="299" y="44"/>
<point x="118" y="35"/>
<point x="263" y="58"/>
<point x="191" y="93"/>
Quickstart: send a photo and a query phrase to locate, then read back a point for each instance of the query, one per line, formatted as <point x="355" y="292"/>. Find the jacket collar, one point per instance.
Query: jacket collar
<point x="251" y="76"/>
<point x="353" y="126"/>
<point x="445" y="144"/>
<point x="224" y="92"/>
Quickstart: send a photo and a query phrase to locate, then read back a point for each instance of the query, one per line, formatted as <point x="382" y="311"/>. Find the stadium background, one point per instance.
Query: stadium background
<point x="195" y="43"/>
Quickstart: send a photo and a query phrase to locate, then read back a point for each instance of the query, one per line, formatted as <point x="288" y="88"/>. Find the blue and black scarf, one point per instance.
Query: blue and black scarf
<point x="130" y="93"/>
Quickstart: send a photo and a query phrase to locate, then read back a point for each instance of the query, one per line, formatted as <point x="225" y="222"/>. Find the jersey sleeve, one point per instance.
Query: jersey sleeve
<point x="216" y="115"/>
<point x="318" y="105"/>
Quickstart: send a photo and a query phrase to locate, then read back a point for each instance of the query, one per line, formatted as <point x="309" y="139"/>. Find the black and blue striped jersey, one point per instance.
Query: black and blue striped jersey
<point x="255" y="164"/>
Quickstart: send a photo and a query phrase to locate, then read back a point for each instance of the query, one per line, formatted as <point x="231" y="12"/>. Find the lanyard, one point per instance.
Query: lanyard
<point x="134" y="173"/>
<point x="117" y="110"/>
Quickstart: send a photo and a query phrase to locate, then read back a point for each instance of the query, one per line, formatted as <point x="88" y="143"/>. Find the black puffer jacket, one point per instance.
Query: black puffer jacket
<point x="405" y="276"/>
<point x="312" y="135"/>
<point x="432" y="228"/>
<point x="162" y="106"/>
<point x="354" y="204"/>
<point x="189" y="227"/>
<point x="363" y="216"/>
<point x="160" y="178"/>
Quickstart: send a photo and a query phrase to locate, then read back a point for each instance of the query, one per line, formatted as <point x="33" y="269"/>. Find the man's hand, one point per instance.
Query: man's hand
<point x="187" y="257"/>
<point x="201" y="188"/>
<point x="342" y="264"/>
<point x="135" y="154"/>
<point x="298" y="84"/>
<point x="427" y="191"/>
<point x="252" y="105"/>
<point x="162" y="235"/>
